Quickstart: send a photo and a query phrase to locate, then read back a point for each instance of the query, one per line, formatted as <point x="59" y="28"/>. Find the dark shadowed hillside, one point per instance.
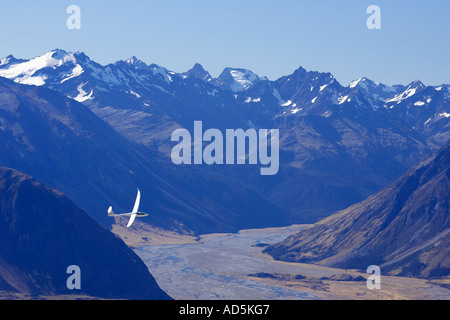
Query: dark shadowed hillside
<point x="405" y="228"/>
<point x="42" y="233"/>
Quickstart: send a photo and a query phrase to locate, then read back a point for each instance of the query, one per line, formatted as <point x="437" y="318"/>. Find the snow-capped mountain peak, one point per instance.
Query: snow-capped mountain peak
<point x="199" y="72"/>
<point x="378" y="90"/>
<point x="37" y="70"/>
<point x="408" y="92"/>
<point x="238" y="79"/>
<point x="162" y="73"/>
<point x="136" y="63"/>
<point x="363" y="83"/>
<point x="4" y="62"/>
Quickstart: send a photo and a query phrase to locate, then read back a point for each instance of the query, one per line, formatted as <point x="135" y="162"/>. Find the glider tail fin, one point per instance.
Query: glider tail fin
<point x="110" y="212"/>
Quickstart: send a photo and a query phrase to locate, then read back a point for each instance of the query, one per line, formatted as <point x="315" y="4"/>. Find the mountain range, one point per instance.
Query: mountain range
<point x="338" y="144"/>
<point x="403" y="228"/>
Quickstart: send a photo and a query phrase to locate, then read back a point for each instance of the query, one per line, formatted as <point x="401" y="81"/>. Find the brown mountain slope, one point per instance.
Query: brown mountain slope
<point x="404" y="228"/>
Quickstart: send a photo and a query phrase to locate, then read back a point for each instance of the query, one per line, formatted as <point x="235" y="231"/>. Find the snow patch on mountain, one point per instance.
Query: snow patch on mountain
<point x="135" y="94"/>
<point x="5" y="60"/>
<point x="342" y="99"/>
<point x="157" y="70"/>
<point x="249" y="99"/>
<point x="243" y="79"/>
<point x="277" y="95"/>
<point x="355" y="83"/>
<point x="78" y="70"/>
<point x="82" y="95"/>
<point x="404" y="95"/>
<point x="287" y="103"/>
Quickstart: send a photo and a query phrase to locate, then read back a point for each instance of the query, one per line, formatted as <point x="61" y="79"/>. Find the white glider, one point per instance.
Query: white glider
<point x="135" y="213"/>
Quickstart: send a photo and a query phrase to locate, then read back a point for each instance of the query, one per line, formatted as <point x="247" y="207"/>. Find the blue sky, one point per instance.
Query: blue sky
<point x="271" y="38"/>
